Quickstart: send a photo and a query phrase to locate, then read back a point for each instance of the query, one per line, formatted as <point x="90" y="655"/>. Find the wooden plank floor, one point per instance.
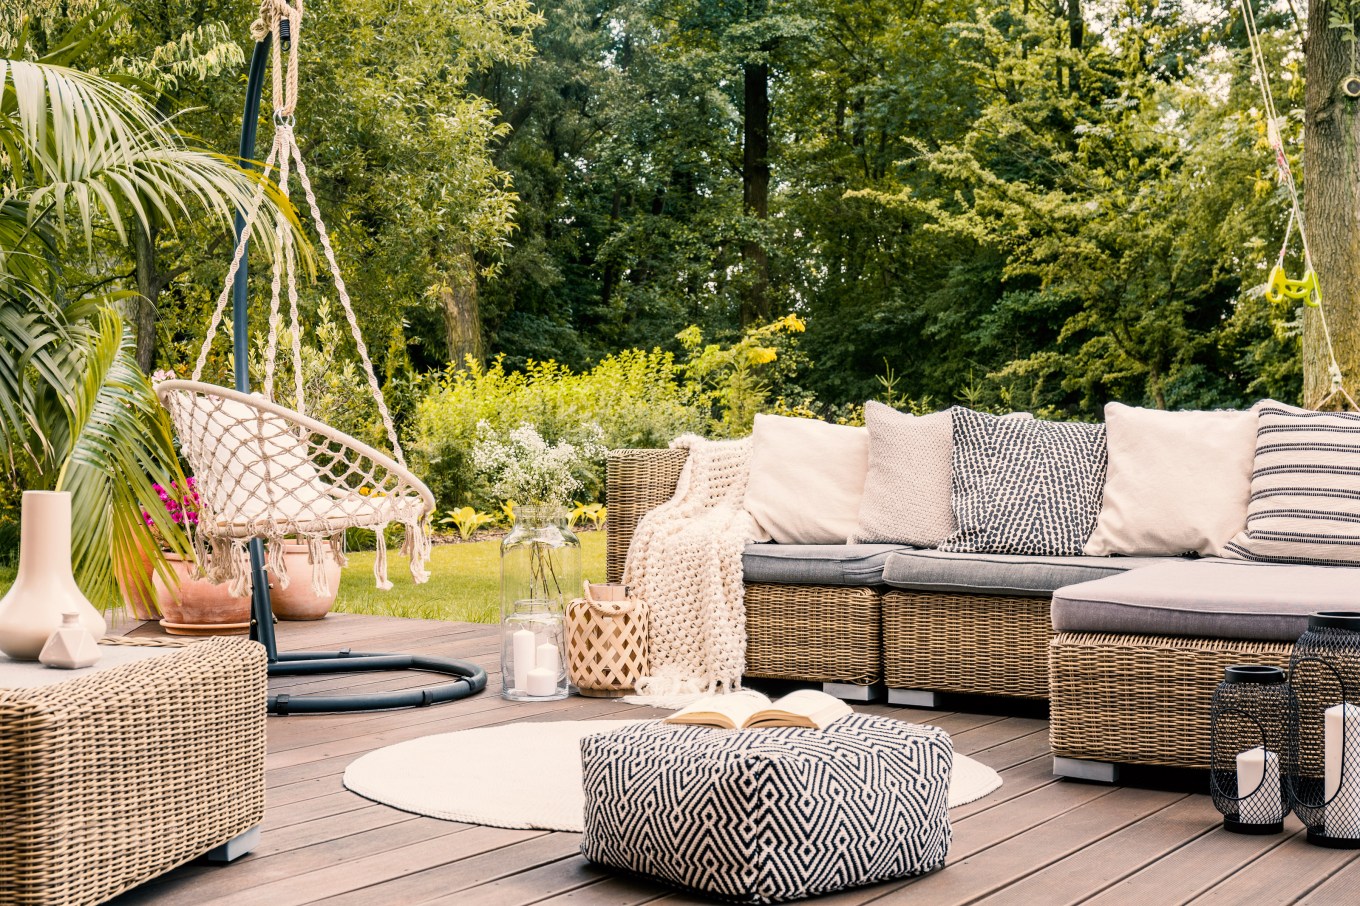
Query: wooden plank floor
<point x="1036" y="840"/>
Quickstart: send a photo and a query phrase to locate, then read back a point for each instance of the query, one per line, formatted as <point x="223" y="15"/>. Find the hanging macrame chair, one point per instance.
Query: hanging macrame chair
<point x="267" y="472"/>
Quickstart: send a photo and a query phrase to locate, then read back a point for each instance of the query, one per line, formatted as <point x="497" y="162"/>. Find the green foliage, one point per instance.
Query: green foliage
<point x="634" y="397"/>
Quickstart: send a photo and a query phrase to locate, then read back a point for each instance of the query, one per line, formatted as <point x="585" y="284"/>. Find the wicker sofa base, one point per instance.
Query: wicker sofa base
<point x="1141" y="699"/>
<point x="966" y="643"/>
<point x="823" y="633"/>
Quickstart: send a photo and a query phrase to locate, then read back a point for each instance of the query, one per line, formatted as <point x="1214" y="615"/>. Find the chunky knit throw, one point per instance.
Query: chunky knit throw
<point x="685" y="563"/>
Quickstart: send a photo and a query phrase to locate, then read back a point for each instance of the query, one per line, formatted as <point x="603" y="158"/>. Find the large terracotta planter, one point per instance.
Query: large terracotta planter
<point x="298" y="601"/>
<point x="200" y="607"/>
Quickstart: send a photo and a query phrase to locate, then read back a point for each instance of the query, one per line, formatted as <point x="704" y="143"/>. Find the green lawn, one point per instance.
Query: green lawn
<point x="464" y="585"/>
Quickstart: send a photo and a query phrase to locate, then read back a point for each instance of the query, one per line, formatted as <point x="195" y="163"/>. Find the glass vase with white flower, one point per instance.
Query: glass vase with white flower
<point x="541" y="556"/>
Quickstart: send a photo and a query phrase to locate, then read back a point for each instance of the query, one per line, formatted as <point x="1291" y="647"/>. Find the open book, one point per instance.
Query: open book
<point x="741" y="710"/>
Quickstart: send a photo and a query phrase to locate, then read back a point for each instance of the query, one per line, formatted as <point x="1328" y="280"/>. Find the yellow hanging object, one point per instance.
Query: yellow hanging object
<point x="1305" y="290"/>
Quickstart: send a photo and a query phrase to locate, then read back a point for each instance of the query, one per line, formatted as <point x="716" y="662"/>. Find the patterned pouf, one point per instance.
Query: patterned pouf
<point x="764" y="816"/>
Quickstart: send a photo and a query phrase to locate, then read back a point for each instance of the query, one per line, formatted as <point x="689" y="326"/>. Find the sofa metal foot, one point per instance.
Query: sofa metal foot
<point x="851" y="692"/>
<point x="1081" y="769"/>
<point x="236" y="847"/>
<point x="914" y="698"/>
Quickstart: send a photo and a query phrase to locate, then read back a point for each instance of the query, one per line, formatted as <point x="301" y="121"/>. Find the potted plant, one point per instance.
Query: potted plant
<point x="199" y="606"/>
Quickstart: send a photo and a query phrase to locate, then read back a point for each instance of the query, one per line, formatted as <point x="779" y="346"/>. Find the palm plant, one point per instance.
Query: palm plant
<point x="79" y="153"/>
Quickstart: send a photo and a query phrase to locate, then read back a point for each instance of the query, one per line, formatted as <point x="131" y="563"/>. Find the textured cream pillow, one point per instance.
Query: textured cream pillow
<point x="1177" y="481"/>
<point x="807" y="478"/>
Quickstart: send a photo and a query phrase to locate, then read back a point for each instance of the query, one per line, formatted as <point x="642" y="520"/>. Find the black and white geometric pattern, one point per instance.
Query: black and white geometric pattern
<point x="1025" y="487"/>
<point x="765" y="816"/>
<point x="1305" y="489"/>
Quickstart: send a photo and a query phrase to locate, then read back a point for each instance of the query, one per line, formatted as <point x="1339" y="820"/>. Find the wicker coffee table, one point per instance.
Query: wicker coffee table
<point x="111" y="778"/>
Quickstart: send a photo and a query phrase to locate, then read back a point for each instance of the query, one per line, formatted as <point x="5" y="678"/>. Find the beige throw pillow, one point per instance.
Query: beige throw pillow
<point x="807" y="478"/>
<point x="1176" y="481"/>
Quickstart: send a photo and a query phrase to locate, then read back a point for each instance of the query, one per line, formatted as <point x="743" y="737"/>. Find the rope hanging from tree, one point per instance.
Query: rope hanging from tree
<point x="1279" y="286"/>
<point x="265" y="471"/>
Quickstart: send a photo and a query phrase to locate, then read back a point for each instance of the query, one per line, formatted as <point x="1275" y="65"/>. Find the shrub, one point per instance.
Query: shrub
<point x="633" y="396"/>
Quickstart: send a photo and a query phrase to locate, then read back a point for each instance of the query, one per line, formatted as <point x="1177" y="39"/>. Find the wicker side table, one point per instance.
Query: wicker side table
<point x="111" y="779"/>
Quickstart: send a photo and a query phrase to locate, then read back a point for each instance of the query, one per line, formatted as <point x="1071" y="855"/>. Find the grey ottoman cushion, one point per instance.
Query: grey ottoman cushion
<point x="764" y="816"/>
<point x="1215" y="599"/>
<point x="1000" y="574"/>
<point x="816" y="564"/>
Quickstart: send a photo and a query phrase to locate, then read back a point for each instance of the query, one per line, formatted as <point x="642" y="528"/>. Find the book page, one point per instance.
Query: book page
<point x="804" y="708"/>
<point x="729" y="711"/>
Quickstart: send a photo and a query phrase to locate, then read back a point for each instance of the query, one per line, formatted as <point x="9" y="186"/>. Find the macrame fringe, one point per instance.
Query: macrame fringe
<point x="669" y="688"/>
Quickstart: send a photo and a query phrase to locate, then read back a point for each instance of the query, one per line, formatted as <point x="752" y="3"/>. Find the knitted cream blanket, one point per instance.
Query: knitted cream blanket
<point x="685" y="563"/>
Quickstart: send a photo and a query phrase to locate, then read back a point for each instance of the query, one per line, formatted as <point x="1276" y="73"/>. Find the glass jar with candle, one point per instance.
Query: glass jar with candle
<point x="1324" y="672"/>
<point x="540" y="568"/>
<point x="1252" y="748"/>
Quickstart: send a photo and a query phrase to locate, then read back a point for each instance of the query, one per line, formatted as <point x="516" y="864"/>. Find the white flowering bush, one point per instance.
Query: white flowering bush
<point x="523" y="467"/>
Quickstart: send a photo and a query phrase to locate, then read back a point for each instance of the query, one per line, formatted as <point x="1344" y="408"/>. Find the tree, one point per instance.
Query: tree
<point x="1331" y="198"/>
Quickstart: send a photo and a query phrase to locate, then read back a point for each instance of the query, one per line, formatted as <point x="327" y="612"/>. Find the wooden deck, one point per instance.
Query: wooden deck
<point x="1036" y="840"/>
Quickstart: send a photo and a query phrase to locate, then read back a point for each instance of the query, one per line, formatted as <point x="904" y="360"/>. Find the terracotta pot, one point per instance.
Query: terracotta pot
<point x="201" y="607"/>
<point x="298" y="601"/>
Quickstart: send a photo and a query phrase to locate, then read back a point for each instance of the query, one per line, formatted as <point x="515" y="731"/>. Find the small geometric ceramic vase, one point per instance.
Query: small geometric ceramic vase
<point x="45" y="587"/>
<point x="70" y="647"/>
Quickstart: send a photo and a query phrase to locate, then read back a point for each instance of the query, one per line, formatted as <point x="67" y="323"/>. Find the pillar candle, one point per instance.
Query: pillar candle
<point x="1342" y="780"/>
<point x="547" y="658"/>
<point x="522" y="650"/>
<point x="1258" y="787"/>
<point x="542" y="682"/>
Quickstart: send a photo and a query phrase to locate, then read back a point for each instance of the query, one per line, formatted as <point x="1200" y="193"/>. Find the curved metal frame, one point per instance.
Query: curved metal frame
<point x="471" y="678"/>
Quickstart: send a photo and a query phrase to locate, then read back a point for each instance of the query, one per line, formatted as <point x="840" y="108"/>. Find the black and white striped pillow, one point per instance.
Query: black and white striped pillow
<point x="1025" y="487"/>
<point x="1305" y="489"/>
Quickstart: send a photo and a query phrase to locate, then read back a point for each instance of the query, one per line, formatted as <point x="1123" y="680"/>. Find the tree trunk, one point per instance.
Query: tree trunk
<point x="1076" y="36"/>
<point x="755" y="190"/>
<point x="142" y="310"/>
<point x="1331" y="199"/>
<point x="462" y="309"/>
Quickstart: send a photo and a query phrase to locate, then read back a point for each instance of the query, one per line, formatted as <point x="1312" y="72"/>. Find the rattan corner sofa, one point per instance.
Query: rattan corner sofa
<point x="1139" y="644"/>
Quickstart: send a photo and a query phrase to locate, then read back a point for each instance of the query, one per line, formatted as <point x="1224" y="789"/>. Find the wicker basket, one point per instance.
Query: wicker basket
<point x="966" y="643"/>
<point x="606" y="641"/>
<point x="1135" y="699"/>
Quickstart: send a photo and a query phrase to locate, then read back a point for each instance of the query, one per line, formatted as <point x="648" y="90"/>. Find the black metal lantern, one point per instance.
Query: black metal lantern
<point x="1252" y="748"/>
<point x="1324" y="673"/>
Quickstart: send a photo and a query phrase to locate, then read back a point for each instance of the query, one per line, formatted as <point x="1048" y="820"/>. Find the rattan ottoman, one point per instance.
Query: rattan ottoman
<point x="110" y="779"/>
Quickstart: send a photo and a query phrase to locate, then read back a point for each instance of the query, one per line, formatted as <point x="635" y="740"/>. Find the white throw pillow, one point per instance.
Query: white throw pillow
<point x="807" y="478"/>
<point x="908" y="496"/>
<point x="1176" y="481"/>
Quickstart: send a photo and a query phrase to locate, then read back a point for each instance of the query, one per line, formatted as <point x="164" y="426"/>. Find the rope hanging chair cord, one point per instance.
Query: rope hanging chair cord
<point x="1313" y="295"/>
<point x="285" y="153"/>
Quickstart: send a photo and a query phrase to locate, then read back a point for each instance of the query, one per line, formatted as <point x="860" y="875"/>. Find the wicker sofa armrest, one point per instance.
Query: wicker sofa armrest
<point x="636" y="481"/>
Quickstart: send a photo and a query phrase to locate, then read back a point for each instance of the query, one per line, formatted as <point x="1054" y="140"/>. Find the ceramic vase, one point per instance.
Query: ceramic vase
<point x="71" y="647"/>
<point x="45" y="587"/>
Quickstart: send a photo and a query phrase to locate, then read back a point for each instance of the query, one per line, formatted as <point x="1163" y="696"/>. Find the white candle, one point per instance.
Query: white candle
<point x="542" y="682"/>
<point x="522" y="651"/>
<point x="1341" y="785"/>
<point x="547" y="658"/>
<point x="1258" y="787"/>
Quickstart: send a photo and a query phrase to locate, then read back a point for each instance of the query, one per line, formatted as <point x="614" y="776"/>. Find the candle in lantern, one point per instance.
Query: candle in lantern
<point x="522" y="646"/>
<point x="541" y="682"/>
<point x="1341" y="736"/>
<point x="547" y="658"/>
<point x="1258" y="787"/>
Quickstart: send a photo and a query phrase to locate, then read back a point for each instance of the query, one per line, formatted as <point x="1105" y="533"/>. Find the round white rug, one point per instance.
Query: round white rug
<point x="525" y="775"/>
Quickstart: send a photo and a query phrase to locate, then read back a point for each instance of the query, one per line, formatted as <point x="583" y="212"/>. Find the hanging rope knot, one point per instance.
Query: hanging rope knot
<point x="271" y="13"/>
<point x="1337" y="379"/>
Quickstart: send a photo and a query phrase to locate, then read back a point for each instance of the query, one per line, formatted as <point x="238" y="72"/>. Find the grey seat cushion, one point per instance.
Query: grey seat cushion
<point x="1216" y="599"/>
<point x="816" y="564"/>
<point x="1000" y="574"/>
